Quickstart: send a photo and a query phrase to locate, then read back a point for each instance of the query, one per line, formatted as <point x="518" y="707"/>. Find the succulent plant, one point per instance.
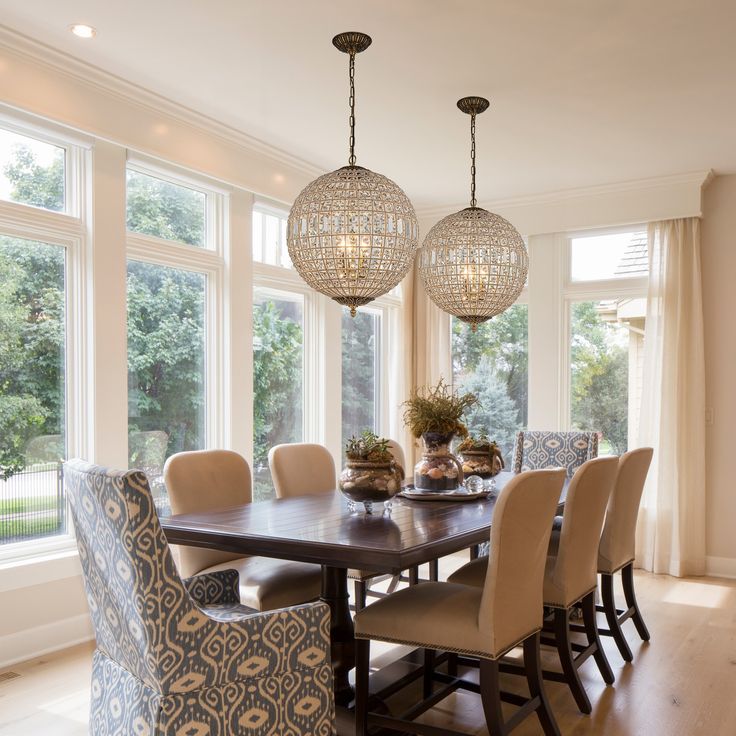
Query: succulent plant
<point x="368" y="448"/>
<point x="437" y="409"/>
<point x="480" y="442"/>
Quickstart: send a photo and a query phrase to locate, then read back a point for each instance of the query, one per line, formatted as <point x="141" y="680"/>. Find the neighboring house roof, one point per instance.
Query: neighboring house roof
<point x="635" y="260"/>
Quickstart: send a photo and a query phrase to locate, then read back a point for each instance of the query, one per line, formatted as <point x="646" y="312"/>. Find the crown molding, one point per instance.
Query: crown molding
<point x="695" y="178"/>
<point x="59" y="62"/>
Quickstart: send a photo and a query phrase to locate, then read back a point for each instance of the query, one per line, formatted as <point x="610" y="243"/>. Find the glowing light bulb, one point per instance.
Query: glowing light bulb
<point x="83" y="30"/>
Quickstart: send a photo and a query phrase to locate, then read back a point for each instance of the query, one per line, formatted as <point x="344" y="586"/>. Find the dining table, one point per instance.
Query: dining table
<point x="321" y="529"/>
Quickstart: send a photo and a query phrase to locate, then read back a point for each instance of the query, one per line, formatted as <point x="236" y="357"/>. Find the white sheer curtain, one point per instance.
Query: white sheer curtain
<point x="671" y="529"/>
<point x="427" y="349"/>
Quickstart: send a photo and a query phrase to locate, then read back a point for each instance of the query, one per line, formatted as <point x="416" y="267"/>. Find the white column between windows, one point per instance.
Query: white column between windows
<point x="546" y="331"/>
<point x="239" y="326"/>
<point x="106" y="268"/>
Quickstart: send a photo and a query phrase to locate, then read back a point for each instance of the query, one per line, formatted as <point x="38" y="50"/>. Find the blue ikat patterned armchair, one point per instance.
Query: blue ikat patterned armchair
<point x="536" y="450"/>
<point x="180" y="657"/>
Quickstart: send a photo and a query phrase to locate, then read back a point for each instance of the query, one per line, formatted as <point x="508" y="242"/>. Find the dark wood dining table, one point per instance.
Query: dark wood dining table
<point x="320" y="529"/>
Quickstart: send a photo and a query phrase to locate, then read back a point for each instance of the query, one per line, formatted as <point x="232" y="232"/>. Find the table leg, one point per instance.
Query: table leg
<point x="335" y="594"/>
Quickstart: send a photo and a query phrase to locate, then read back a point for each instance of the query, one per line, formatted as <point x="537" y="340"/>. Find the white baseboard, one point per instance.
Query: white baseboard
<point x="40" y="640"/>
<point x="720" y="567"/>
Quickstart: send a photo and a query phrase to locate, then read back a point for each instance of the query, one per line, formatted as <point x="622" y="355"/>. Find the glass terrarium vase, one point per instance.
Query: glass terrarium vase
<point x="370" y="482"/>
<point x="439" y="469"/>
<point x="483" y="462"/>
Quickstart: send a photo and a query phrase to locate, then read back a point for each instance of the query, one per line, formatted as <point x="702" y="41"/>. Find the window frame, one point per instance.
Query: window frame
<point x="215" y="200"/>
<point x="264" y="207"/>
<point x="66" y="229"/>
<point x="271" y="287"/>
<point x="635" y="287"/>
<point x="209" y="260"/>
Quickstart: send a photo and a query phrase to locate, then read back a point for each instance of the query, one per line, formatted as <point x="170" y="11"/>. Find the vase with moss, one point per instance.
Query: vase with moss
<point x="480" y="456"/>
<point x="434" y="414"/>
<point x="371" y="474"/>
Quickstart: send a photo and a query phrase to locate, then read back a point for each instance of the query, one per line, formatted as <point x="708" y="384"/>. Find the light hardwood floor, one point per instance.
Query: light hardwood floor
<point x="683" y="683"/>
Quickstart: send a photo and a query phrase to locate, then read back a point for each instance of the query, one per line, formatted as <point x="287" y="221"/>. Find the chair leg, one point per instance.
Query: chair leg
<point x="413" y="575"/>
<point x="533" y="671"/>
<point x="591" y="631"/>
<point x="429" y="659"/>
<point x="609" y="608"/>
<point x="362" y="666"/>
<point x="490" y="693"/>
<point x="434" y="570"/>
<point x="360" y="595"/>
<point x="562" y="638"/>
<point x="452" y="664"/>
<point x="627" y="575"/>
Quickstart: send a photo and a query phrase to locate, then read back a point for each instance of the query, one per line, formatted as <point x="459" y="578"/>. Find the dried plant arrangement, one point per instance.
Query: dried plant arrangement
<point x="437" y="409"/>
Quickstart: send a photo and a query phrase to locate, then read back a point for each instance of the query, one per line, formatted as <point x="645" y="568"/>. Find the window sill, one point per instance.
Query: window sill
<point x="44" y="566"/>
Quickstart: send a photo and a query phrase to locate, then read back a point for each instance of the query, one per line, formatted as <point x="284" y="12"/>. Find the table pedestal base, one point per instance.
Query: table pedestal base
<point x="335" y="594"/>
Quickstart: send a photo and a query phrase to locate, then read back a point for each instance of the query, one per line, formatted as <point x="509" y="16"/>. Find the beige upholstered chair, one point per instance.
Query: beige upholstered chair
<point x="537" y="449"/>
<point x="302" y="469"/>
<point x="570" y="575"/>
<point x="616" y="550"/>
<point x="484" y="622"/>
<point x="203" y="480"/>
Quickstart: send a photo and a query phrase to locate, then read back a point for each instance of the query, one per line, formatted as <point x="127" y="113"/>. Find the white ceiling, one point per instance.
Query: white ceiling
<point x="583" y="92"/>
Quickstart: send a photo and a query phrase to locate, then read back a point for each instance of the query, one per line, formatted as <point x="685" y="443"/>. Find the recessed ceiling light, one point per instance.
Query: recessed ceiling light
<point x="82" y="30"/>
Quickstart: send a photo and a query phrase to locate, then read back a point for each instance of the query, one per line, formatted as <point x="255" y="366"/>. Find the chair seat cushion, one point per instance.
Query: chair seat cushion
<point x="227" y="611"/>
<point x="473" y="573"/>
<point x="430" y="615"/>
<point x="365" y="574"/>
<point x="267" y="583"/>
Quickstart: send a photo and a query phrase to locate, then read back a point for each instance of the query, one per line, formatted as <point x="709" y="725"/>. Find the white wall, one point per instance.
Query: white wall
<point x="719" y="307"/>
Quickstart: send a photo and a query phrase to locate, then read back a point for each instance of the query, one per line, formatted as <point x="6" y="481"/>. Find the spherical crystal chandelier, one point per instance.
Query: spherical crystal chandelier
<point x="473" y="264"/>
<point x="352" y="234"/>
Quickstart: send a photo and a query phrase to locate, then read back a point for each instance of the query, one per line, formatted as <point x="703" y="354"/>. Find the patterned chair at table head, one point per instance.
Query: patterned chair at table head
<point x="535" y="450"/>
<point x="166" y="663"/>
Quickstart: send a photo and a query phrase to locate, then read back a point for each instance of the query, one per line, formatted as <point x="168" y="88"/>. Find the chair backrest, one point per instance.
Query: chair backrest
<point x="203" y="480"/>
<point x="576" y="572"/>
<point x="133" y="589"/>
<point x="619" y="531"/>
<point x="398" y="454"/>
<point x="511" y="605"/>
<point x="534" y="450"/>
<point x="301" y="469"/>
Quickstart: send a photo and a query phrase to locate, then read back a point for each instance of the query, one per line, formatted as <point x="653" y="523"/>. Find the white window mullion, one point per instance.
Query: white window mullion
<point x="238" y="325"/>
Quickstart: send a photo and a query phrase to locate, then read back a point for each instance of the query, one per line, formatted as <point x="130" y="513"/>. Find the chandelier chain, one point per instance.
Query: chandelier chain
<point x="472" y="160"/>
<point x="351" y="160"/>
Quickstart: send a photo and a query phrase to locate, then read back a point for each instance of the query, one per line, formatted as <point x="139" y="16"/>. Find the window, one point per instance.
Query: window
<point x="612" y="256"/>
<point x="165" y="210"/>
<point x="361" y="371"/>
<point x="492" y="363"/>
<point x="278" y="370"/>
<point x="32" y="389"/>
<point x="176" y="400"/>
<point x="606" y="315"/>
<point x="166" y="366"/>
<point x="32" y="172"/>
<point x="269" y="238"/>
<point x="602" y="346"/>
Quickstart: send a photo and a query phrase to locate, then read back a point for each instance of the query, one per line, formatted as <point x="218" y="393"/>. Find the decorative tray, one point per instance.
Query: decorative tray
<point x="415" y="495"/>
